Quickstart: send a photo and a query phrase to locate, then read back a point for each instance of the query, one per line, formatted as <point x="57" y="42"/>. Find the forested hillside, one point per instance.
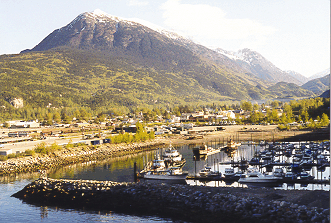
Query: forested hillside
<point x="104" y="64"/>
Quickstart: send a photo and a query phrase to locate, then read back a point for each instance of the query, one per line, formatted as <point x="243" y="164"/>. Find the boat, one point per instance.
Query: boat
<point x="155" y="165"/>
<point x="231" y="175"/>
<point x="173" y="173"/>
<point x="278" y="172"/>
<point x="171" y="154"/>
<point x="254" y="161"/>
<point x="229" y="172"/>
<point x="207" y="172"/>
<point x="290" y="175"/>
<point x="204" y="150"/>
<point x="237" y="175"/>
<point x="173" y="158"/>
<point x="232" y="144"/>
<point x="254" y="176"/>
<point x="305" y="176"/>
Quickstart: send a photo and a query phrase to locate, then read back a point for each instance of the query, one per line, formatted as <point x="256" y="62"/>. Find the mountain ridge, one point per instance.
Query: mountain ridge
<point x="253" y="62"/>
<point x="103" y="62"/>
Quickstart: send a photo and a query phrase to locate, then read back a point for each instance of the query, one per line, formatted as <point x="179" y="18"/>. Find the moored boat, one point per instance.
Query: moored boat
<point x="229" y="172"/>
<point x="208" y="172"/>
<point x="173" y="158"/>
<point x="255" y="176"/>
<point x="173" y="173"/>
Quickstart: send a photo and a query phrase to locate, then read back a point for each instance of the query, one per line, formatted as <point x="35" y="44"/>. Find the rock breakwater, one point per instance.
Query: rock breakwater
<point x="73" y="155"/>
<point x="181" y="202"/>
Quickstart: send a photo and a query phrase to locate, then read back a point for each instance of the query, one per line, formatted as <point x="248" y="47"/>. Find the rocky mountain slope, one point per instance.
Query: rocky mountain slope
<point x="254" y="63"/>
<point x="99" y="60"/>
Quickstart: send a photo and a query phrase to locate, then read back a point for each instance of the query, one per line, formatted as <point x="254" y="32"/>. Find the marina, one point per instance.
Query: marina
<point x="121" y="169"/>
<point x="273" y="163"/>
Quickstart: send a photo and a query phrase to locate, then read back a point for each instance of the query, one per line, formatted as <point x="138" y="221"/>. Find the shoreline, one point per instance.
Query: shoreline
<point x="82" y="154"/>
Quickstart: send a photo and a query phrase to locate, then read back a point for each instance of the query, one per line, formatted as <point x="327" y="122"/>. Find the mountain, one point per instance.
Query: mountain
<point x="320" y="74"/>
<point x="255" y="63"/>
<point x="326" y="94"/>
<point x="297" y="76"/>
<point x="284" y="90"/>
<point x="102" y="62"/>
<point x="318" y="85"/>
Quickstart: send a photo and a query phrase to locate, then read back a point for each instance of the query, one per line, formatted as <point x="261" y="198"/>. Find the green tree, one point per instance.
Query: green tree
<point x="325" y="120"/>
<point x="57" y="117"/>
<point x="246" y="105"/>
<point x="256" y="107"/>
<point x="275" y="104"/>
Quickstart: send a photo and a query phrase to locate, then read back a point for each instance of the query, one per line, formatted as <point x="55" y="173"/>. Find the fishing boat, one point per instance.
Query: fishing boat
<point x="173" y="173"/>
<point x="279" y="172"/>
<point x="171" y="154"/>
<point x="204" y="150"/>
<point x="290" y="175"/>
<point x="172" y="157"/>
<point x="229" y="172"/>
<point x="156" y="164"/>
<point x="208" y="172"/>
<point x="232" y="144"/>
<point x="255" y="176"/>
<point x="305" y="176"/>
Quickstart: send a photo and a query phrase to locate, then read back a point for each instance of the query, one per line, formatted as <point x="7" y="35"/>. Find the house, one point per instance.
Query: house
<point x="23" y="124"/>
<point x="6" y="152"/>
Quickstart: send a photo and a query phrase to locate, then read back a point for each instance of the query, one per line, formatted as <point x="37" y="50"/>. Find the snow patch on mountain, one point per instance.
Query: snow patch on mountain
<point x="100" y="16"/>
<point x="245" y="55"/>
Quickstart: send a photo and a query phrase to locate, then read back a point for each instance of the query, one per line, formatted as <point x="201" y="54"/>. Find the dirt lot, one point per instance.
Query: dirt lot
<point x="254" y="133"/>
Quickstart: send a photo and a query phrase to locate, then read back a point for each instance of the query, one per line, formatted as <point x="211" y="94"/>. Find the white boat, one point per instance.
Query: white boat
<point x="290" y="175"/>
<point x="204" y="150"/>
<point x="229" y="172"/>
<point x="207" y="172"/>
<point x="173" y="173"/>
<point x="258" y="177"/>
<point x="155" y="165"/>
<point x="172" y="155"/>
<point x="305" y="176"/>
<point x="278" y="172"/>
<point x="232" y="144"/>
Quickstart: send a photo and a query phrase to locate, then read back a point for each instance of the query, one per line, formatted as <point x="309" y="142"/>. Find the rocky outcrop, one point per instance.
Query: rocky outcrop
<point x="16" y="102"/>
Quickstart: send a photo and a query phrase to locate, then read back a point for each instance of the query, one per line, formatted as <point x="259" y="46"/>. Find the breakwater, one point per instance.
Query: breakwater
<point x="182" y="202"/>
<point x="73" y="155"/>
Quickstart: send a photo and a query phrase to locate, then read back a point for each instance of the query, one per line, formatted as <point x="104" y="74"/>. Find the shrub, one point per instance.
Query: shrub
<point x="3" y="158"/>
<point x="12" y="155"/>
<point x="41" y="148"/>
<point x="29" y="152"/>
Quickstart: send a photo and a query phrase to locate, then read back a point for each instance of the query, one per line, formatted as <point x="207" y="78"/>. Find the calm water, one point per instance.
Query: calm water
<point x="120" y="170"/>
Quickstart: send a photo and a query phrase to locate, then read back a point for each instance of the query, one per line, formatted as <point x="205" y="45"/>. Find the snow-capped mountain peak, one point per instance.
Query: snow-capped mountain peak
<point x="255" y="63"/>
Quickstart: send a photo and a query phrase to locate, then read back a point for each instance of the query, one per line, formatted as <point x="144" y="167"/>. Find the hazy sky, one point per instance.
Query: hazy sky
<point x="292" y="34"/>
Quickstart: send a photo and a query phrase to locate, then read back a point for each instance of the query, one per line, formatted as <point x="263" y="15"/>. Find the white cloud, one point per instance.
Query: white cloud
<point x="137" y="3"/>
<point x="204" y="22"/>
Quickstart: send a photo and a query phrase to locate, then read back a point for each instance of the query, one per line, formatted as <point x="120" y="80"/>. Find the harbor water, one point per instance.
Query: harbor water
<point x="121" y="170"/>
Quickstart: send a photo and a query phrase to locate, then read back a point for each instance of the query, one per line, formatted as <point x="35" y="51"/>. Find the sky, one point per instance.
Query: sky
<point x="292" y="34"/>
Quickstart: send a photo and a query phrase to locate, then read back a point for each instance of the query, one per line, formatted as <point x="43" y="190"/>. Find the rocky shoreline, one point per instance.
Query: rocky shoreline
<point x="74" y="155"/>
<point x="182" y="202"/>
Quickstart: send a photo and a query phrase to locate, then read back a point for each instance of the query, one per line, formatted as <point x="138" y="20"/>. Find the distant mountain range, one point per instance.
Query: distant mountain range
<point x="318" y="85"/>
<point x="255" y="63"/>
<point x="320" y="74"/>
<point x="102" y="61"/>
